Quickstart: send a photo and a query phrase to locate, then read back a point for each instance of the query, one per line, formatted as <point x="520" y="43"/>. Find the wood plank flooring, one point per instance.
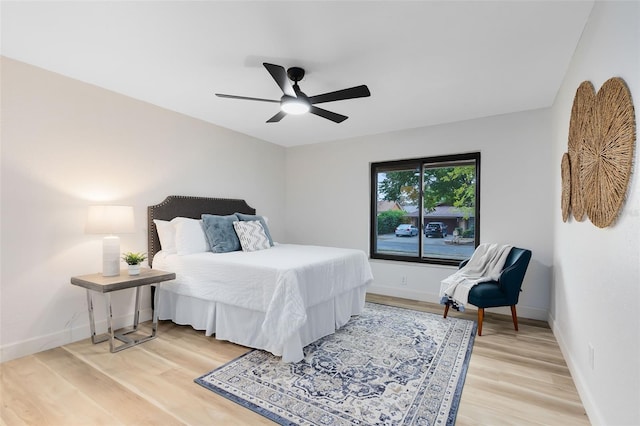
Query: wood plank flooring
<point x="514" y="378"/>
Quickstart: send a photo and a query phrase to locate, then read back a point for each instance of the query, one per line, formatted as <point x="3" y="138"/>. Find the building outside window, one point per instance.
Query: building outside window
<point x="426" y="209"/>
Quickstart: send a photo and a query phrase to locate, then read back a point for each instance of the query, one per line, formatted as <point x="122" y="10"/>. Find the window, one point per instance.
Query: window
<point x="426" y="209"/>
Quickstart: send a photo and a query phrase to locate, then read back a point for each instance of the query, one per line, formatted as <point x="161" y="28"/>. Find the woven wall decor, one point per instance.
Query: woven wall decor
<point x="606" y="156"/>
<point x="581" y="111"/>
<point x="565" y="168"/>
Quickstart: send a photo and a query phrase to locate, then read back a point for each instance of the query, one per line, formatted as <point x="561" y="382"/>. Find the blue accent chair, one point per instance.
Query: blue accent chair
<point x="505" y="291"/>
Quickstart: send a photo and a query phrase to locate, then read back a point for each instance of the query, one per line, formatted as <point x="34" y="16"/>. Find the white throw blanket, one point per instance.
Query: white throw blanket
<point x="485" y="264"/>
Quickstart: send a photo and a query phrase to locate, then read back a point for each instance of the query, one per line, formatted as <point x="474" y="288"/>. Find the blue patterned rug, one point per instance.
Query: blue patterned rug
<point x="387" y="366"/>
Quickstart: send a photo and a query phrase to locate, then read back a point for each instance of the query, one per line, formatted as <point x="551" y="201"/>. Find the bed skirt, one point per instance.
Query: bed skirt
<point x="244" y="326"/>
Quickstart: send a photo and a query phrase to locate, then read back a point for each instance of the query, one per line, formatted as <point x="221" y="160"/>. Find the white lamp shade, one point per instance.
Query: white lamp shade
<point x="110" y="220"/>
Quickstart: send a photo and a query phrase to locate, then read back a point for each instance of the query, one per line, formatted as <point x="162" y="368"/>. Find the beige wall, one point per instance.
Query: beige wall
<point x="65" y="145"/>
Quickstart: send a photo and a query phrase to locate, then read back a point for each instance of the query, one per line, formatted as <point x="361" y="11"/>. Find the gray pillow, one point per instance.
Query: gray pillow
<point x="247" y="217"/>
<point x="220" y="233"/>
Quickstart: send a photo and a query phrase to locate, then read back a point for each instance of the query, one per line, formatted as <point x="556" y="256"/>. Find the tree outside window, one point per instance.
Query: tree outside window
<point x="438" y="195"/>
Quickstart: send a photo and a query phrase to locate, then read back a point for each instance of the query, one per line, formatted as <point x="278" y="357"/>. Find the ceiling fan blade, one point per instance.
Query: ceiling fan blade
<point x="279" y="116"/>
<point x="279" y="74"/>
<point x="353" y="92"/>
<point x="245" y="98"/>
<point x="336" y="118"/>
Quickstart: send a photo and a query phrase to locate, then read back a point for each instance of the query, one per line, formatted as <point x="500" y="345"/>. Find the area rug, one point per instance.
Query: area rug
<point x="386" y="366"/>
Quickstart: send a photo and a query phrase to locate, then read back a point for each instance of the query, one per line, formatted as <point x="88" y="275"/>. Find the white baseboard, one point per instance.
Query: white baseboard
<point x="64" y="337"/>
<point x="523" y="311"/>
<point x="74" y="334"/>
<point x="405" y="293"/>
<point x="578" y="379"/>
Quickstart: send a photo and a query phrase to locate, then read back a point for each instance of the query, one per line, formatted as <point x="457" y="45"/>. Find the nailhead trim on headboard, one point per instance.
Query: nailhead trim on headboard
<point x="188" y="206"/>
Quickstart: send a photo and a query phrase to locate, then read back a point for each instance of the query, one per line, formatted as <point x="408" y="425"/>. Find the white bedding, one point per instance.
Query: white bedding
<point x="282" y="285"/>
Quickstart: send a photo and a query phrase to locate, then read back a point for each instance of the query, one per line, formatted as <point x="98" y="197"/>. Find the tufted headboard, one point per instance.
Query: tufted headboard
<point x="192" y="207"/>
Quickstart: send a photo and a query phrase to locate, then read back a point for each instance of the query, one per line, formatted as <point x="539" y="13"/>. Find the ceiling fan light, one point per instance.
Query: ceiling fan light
<point x="295" y="106"/>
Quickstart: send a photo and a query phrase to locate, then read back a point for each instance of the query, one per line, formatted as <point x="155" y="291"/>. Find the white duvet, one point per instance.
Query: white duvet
<point x="282" y="281"/>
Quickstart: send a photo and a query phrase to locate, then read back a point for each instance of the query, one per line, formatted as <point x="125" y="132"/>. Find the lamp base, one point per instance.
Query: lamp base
<point x="111" y="256"/>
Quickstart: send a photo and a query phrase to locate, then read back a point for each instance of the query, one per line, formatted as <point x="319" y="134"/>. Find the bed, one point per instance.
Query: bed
<point x="279" y="298"/>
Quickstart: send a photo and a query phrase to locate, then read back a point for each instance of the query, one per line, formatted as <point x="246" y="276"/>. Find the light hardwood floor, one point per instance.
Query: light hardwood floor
<point x="513" y="379"/>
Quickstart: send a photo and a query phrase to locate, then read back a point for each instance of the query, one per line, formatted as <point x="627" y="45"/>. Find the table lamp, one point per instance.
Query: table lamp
<point x="110" y="220"/>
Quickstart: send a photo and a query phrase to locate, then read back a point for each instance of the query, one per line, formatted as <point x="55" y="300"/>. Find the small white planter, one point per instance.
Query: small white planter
<point x="134" y="269"/>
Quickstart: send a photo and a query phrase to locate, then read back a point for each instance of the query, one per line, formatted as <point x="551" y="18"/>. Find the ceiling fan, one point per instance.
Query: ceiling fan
<point x="294" y="101"/>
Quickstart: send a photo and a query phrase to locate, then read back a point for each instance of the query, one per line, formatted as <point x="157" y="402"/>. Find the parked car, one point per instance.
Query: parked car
<point x="435" y="229"/>
<point x="409" y="230"/>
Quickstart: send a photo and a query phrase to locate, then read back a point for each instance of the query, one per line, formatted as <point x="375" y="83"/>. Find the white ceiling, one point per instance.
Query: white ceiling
<point x="425" y="62"/>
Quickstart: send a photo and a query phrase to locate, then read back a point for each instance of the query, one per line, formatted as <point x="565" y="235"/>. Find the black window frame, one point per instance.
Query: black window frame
<point x="418" y="162"/>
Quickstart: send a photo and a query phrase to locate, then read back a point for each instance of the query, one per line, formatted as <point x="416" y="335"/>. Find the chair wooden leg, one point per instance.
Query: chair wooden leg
<point x="480" y="318"/>
<point x="514" y="316"/>
<point x="446" y="310"/>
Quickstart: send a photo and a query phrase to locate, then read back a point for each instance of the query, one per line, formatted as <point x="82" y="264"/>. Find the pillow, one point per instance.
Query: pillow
<point x="190" y="236"/>
<point x="263" y="221"/>
<point x="220" y="233"/>
<point x="251" y="235"/>
<point x="166" y="234"/>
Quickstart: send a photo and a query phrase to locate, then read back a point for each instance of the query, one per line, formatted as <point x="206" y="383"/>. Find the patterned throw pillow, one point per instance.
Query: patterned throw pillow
<point x="251" y="235"/>
<point x="263" y="222"/>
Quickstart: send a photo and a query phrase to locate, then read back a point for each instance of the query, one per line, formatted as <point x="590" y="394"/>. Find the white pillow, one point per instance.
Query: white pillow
<point x="190" y="236"/>
<point x="167" y="235"/>
<point x="251" y="235"/>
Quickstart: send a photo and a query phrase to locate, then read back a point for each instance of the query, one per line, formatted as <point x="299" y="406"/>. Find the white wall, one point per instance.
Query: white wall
<point x="328" y="196"/>
<point x="65" y="145"/>
<point x="596" y="273"/>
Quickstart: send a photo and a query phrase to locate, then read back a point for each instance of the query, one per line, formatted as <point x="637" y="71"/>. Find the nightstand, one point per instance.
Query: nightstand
<point x="105" y="285"/>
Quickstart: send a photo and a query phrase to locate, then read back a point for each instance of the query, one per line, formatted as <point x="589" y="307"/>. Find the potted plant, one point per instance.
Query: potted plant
<point x="133" y="260"/>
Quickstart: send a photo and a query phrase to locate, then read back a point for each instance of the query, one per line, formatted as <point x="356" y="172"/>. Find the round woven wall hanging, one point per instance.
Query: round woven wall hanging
<point x="581" y="112"/>
<point x="607" y="153"/>
<point x="565" y="169"/>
